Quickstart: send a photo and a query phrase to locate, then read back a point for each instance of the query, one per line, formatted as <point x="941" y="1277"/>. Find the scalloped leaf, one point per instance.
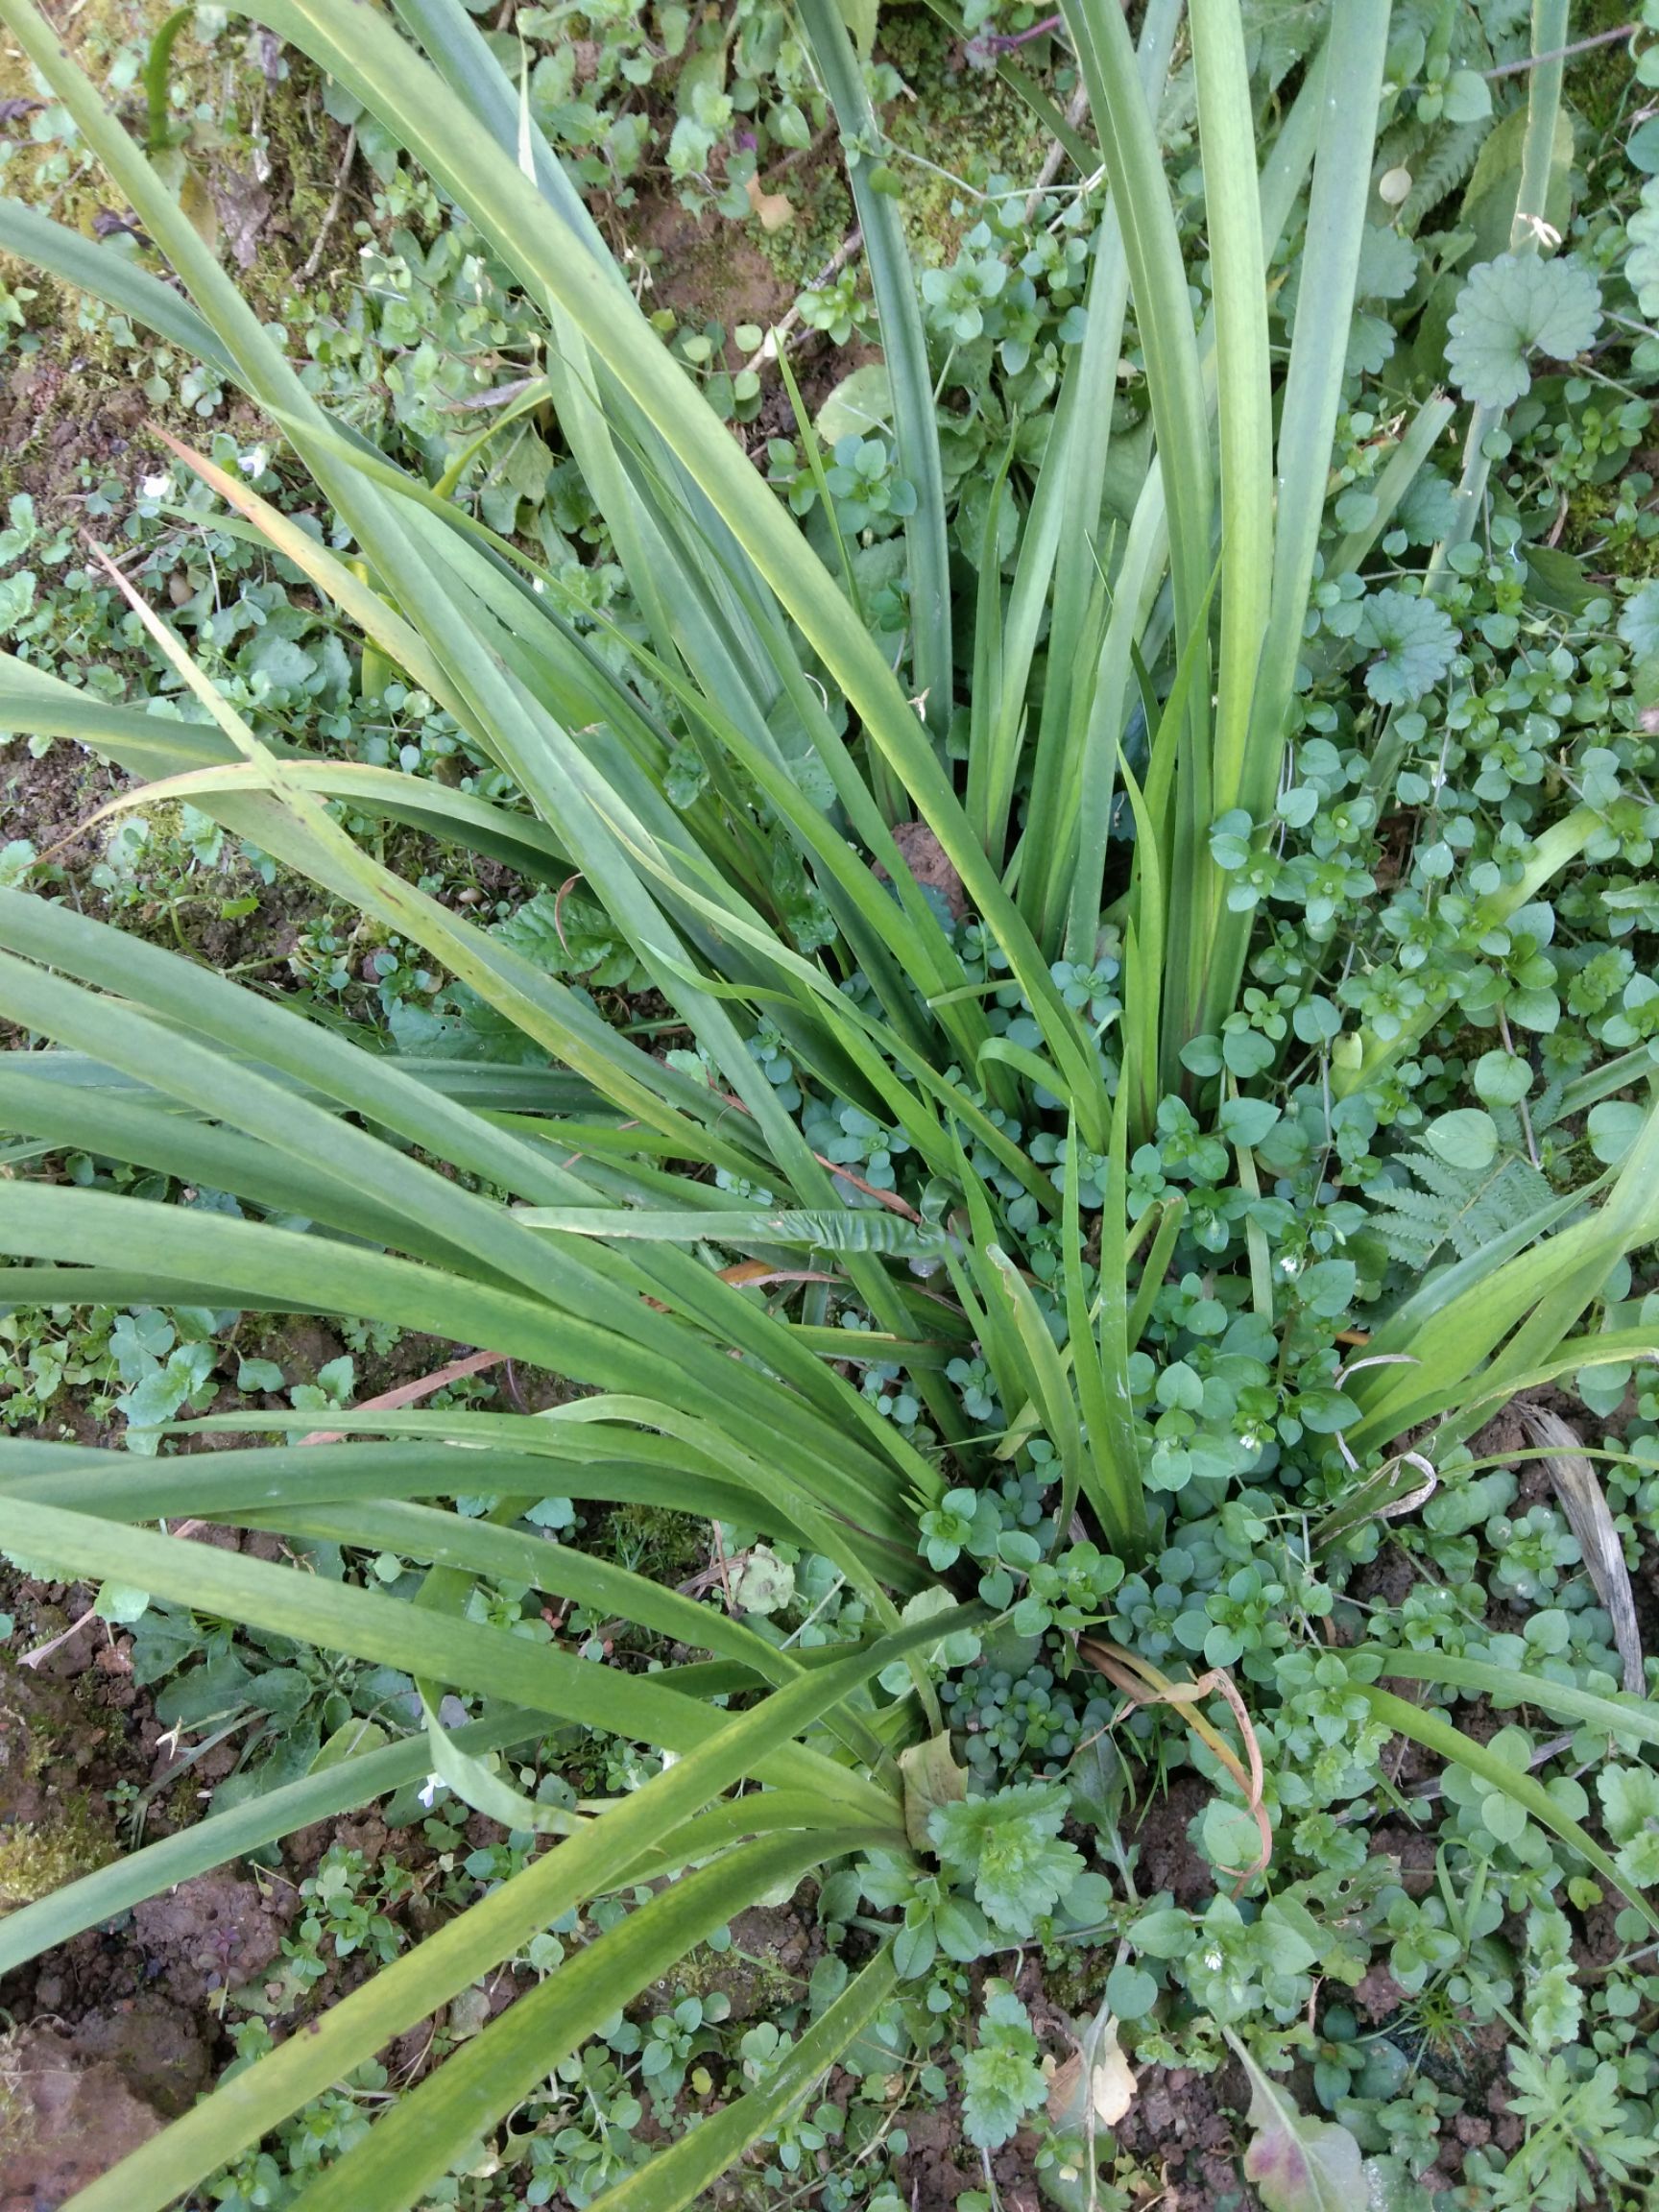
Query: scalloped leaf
<point x="1413" y="640"/>
<point x="1387" y="264"/>
<point x="1512" y="308"/>
<point x="1639" y="622"/>
<point x="1641" y="266"/>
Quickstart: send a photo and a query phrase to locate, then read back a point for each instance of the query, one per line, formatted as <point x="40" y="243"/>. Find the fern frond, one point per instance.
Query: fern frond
<point x="1466" y="1208"/>
<point x="1445" y="166"/>
<point x="1546" y="1109"/>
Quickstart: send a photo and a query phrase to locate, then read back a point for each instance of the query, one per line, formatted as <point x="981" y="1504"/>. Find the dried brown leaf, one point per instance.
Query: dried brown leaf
<point x="774" y="209"/>
<point x="932" y="1778"/>
<point x="196" y="203"/>
<point x="1585" y="1505"/>
<point x="1111" y="2081"/>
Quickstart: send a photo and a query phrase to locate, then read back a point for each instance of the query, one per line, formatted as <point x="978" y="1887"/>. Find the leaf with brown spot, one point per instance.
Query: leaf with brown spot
<point x="1298" y="2164"/>
<point x="752" y="1272"/>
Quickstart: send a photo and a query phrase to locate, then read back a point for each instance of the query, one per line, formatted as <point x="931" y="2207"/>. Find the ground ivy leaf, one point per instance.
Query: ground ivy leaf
<point x="1639" y="622"/>
<point x="1514" y="307"/>
<point x="1370" y="346"/>
<point x="1414" y="641"/>
<point x="1642" y="268"/>
<point x="1387" y="264"/>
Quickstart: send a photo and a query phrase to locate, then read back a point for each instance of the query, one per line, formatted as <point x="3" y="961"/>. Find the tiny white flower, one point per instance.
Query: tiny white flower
<point x="156" y="486"/>
<point x="429" y="1789"/>
<point x="253" y="462"/>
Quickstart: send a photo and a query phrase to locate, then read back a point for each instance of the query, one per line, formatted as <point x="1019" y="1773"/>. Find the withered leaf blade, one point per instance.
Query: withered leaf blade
<point x="1585" y="1505"/>
<point x="1096" y="2086"/>
<point x="932" y="1778"/>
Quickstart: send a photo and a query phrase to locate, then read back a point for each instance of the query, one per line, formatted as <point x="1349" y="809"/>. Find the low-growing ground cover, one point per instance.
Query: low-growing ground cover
<point x="1002" y="977"/>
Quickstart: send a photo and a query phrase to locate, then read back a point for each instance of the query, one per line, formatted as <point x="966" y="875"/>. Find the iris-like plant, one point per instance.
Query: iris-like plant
<point x="728" y="787"/>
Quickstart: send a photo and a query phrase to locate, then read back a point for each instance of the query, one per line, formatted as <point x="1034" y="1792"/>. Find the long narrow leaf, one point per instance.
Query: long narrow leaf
<point x="904" y="346"/>
<point x="321" y="1796"/>
<point x="600" y="1857"/>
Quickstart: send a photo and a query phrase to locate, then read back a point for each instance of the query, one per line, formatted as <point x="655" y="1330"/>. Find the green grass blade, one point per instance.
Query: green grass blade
<point x="483" y="1549"/>
<point x="1252" y="722"/>
<point x="516" y="1456"/>
<point x="595" y="1281"/>
<point x="1438" y="1735"/>
<point x="457" y="46"/>
<point x="1424" y="432"/>
<point x="993" y="738"/>
<point x="1541" y="1295"/>
<point x="466" y="1655"/>
<point x="249" y="1265"/>
<point x="110" y="274"/>
<point x="192" y="1151"/>
<point x="680" y="2174"/>
<point x="390" y="78"/>
<point x="321" y="1796"/>
<point x="426" y="2128"/>
<point x="1350" y="88"/>
<point x="1080" y="457"/>
<point x="1170" y="1217"/>
<point x="823" y="1230"/>
<point x="599" y="1859"/>
<point x="180" y="992"/>
<point x="1239" y="278"/>
<point x="1051" y="1392"/>
<point x="1100" y="1350"/>
<point x="1157" y="282"/>
<point x="1618" y="1717"/>
<point x="501" y="202"/>
<point x="904" y="345"/>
